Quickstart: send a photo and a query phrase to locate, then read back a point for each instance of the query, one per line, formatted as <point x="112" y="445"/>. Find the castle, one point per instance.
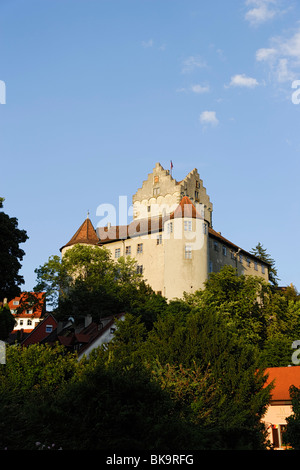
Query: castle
<point x="171" y="236"/>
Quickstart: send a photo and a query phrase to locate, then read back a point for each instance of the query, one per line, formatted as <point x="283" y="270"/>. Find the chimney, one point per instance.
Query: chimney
<point x="87" y="320"/>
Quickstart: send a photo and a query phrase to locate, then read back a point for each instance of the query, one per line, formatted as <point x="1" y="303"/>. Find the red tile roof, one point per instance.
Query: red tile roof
<point x="37" y="309"/>
<point x="185" y="209"/>
<point x="85" y="234"/>
<point x="283" y="378"/>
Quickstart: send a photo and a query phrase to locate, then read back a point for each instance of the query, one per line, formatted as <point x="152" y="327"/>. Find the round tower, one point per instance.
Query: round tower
<point x="185" y="250"/>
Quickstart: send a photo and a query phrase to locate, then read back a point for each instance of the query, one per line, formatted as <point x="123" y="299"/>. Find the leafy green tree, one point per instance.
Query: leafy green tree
<point x="243" y="301"/>
<point x="11" y="255"/>
<point x="292" y="434"/>
<point x="7" y="322"/>
<point x="87" y="280"/>
<point x="31" y="376"/>
<point x="262" y="254"/>
<point x="230" y="397"/>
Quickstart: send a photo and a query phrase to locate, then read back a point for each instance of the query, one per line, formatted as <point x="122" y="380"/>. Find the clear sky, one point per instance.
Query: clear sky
<point x="98" y="91"/>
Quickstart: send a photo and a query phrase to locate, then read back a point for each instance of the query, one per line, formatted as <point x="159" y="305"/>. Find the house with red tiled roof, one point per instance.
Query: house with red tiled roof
<point x="28" y="309"/>
<point x="81" y="339"/>
<point x="171" y="236"/>
<point x="281" y="404"/>
<point x="41" y="331"/>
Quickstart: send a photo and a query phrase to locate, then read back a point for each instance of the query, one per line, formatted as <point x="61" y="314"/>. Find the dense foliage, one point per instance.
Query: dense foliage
<point x="181" y="375"/>
<point x="11" y="255"/>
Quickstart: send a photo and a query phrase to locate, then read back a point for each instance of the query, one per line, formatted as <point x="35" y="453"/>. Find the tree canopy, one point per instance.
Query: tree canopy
<point x="11" y="255"/>
<point x="262" y="254"/>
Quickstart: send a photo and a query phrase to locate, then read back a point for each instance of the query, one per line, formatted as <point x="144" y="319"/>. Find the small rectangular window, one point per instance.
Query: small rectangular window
<point x="156" y="191"/>
<point x="241" y="258"/>
<point x="204" y="228"/>
<point x="15" y="302"/>
<point x="255" y="265"/>
<point x="139" y="269"/>
<point x="117" y="252"/>
<point x="187" y="225"/>
<point x="170" y="227"/>
<point x="49" y="328"/>
<point x="263" y="269"/>
<point x="159" y="239"/>
<point x="140" y="248"/>
<point x="128" y="250"/>
<point x="188" y="252"/>
<point x="224" y="250"/>
<point x="248" y="262"/>
<point x="216" y="246"/>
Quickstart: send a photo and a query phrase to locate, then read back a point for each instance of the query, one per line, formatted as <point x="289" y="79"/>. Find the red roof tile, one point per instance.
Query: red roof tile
<point x="21" y="299"/>
<point x="85" y="234"/>
<point x="185" y="209"/>
<point x="283" y="378"/>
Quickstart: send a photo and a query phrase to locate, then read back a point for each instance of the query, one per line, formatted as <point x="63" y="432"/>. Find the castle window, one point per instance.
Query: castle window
<point x="205" y="229"/>
<point x="187" y="225"/>
<point x="128" y="250"/>
<point x="216" y="246"/>
<point x="255" y="265"/>
<point x="224" y="250"/>
<point x="241" y="258"/>
<point x="170" y="227"/>
<point x="159" y="240"/>
<point x="196" y="195"/>
<point x="232" y="255"/>
<point x="248" y="262"/>
<point x="149" y="208"/>
<point x="117" y="252"/>
<point x="28" y="322"/>
<point x="140" y="248"/>
<point x="156" y="191"/>
<point x="197" y="184"/>
<point x="188" y="252"/>
<point x="139" y="269"/>
<point x="262" y="269"/>
<point x="210" y="267"/>
<point x="49" y="328"/>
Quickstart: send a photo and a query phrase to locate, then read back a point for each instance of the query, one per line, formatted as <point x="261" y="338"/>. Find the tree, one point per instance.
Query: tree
<point x="11" y="255"/>
<point x="292" y="434"/>
<point x="242" y="301"/>
<point x="7" y="322"/>
<point x="87" y="280"/>
<point x="205" y="365"/>
<point x="260" y="252"/>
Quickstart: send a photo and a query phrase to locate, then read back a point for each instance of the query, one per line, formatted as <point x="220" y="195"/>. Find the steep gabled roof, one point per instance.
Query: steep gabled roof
<point x="85" y="234"/>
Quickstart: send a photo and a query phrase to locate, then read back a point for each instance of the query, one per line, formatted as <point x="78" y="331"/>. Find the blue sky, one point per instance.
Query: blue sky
<point x="98" y="91"/>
